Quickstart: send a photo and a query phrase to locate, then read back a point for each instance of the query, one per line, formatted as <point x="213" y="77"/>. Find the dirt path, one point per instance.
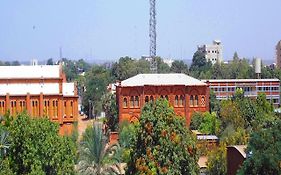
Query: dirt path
<point x="83" y="123"/>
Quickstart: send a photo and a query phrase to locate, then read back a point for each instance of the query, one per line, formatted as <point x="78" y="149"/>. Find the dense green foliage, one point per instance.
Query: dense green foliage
<point x="96" y="81"/>
<point x="72" y="68"/>
<point x="36" y="147"/>
<point x="127" y="137"/>
<point x="216" y="164"/>
<point x="163" y="144"/>
<point x="264" y="152"/>
<point x="109" y="106"/>
<point x="207" y="123"/>
<point x="95" y="157"/>
<point x="237" y="119"/>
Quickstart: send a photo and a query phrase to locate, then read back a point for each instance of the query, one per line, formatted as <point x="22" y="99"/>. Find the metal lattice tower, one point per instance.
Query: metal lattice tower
<point x="152" y="36"/>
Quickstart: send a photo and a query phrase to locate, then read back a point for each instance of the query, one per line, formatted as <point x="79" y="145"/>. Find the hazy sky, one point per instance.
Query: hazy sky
<point x="109" y="29"/>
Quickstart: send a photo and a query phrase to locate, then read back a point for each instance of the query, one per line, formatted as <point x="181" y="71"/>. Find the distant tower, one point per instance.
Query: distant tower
<point x="34" y="62"/>
<point x="278" y="54"/>
<point x="152" y="36"/>
<point x="258" y="68"/>
<point x="60" y="53"/>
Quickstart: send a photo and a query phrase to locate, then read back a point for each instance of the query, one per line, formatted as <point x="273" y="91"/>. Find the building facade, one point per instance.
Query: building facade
<point x="225" y="88"/>
<point x="40" y="91"/>
<point x="184" y="93"/>
<point x="235" y="157"/>
<point x="212" y="52"/>
<point x="278" y="54"/>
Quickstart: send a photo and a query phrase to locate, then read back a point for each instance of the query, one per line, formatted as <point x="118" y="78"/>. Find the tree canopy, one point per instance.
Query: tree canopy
<point x="36" y="147"/>
<point x="264" y="152"/>
<point x="164" y="145"/>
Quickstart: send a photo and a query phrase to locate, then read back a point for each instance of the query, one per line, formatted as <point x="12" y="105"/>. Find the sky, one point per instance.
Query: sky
<point x="109" y="29"/>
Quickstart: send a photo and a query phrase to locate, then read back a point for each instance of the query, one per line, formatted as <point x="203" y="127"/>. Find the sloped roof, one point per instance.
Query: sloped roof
<point x="39" y="71"/>
<point x="240" y="148"/>
<point x="162" y="80"/>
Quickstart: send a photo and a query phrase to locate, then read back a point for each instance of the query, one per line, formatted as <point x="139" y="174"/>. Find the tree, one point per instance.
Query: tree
<point x="164" y="145"/>
<point x="15" y="63"/>
<point x="50" y="61"/>
<point x="4" y="143"/>
<point x="179" y="67"/>
<point x="36" y="147"/>
<point x="196" y="120"/>
<point x="216" y="164"/>
<point x="210" y="123"/>
<point x="111" y="111"/>
<point x="199" y="65"/>
<point x="214" y="102"/>
<point x="94" y="153"/>
<point x="127" y="137"/>
<point x="97" y="79"/>
<point x="4" y="147"/>
<point x="162" y="67"/>
<point x="264" y="152"/>
<point x="206" y="122"/>
<point x="235" y="56"/>
<point x="124" y="69"/>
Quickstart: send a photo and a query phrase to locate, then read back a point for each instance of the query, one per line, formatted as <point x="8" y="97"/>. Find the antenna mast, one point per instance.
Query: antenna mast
<point x="152" y="36"/>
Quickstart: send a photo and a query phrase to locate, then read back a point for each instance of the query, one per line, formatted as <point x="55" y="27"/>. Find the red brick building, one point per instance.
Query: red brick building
<point x="41" y="91"/>
<point x="186" y="94"/>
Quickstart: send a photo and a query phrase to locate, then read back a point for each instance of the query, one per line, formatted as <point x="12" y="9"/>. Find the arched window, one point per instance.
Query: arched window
<point x="181" y="100"/>
<point x="46" y="107"/>
<point x="146" y="99"/>
<point x="71" y="109"/>
<point x="125" y="103"/>
<point x="151" y="98"/>
<point x="132" y="101"/>
<point x="196" y="100"/>
<point x="162" y="96"/>
<point x="55" y="108"/>
<point x="203" y="101"/>
<point x="167" y="98"/>
<point x="136" y="101"/>
<point x="191" y="101"/>
<point x="176" y="100"/>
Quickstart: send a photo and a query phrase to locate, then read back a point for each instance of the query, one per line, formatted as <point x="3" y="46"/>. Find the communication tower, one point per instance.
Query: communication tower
<point x="152" y="36"/>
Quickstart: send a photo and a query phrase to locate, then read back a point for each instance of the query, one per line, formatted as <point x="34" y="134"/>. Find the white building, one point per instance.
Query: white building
<point x="212" y="52"/>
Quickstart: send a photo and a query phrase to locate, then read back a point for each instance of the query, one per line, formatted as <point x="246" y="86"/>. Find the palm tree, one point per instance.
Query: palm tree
<point x="96" y="156"/>
<point x="4" y="144"/>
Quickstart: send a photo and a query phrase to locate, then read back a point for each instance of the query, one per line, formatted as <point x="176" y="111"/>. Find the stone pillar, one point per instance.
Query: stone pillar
<point x="41" y="105"/>
<point x="60" y="106"/>
<point x="8" y="104"/>
<point x="28" y="103"/>
<point x="75" y="106"/>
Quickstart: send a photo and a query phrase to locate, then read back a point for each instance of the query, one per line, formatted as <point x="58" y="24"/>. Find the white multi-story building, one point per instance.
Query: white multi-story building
<point x="212" y="52"/>
<point x="225" y="88"/>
